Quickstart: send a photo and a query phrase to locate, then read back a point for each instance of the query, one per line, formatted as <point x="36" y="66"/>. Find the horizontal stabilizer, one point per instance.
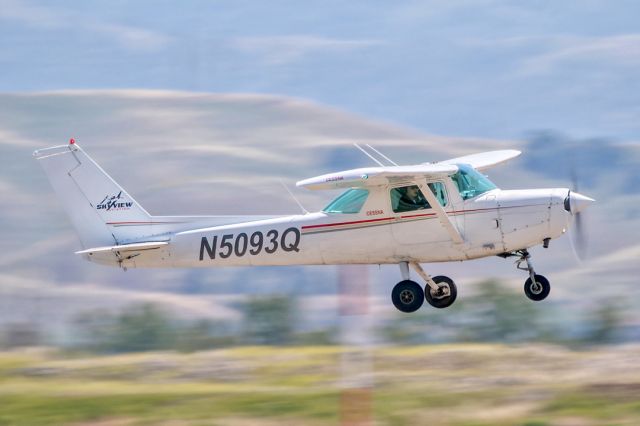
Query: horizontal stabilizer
<point x="484" y="160"/>
<point x="118" y="254"/>
<point x="125" y="248"/>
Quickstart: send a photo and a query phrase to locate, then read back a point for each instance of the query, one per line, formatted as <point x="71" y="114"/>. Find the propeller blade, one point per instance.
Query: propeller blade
<point x="579" y="237"/>
<point x="578" y="202"/>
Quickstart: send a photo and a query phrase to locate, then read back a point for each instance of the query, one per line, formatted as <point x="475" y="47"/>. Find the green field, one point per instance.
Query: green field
<point x="424" y="385"/>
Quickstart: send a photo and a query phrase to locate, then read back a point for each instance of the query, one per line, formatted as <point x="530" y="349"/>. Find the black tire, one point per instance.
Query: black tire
<point x="443" y="300"/>
<point x="539" y="290"/>
<point x="407" y="296"/>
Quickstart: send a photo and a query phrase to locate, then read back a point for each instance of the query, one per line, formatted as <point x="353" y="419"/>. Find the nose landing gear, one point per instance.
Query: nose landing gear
<point x="536" y="287"/>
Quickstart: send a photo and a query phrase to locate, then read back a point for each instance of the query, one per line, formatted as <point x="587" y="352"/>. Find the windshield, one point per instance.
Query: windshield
<point x="350" y="201"/>
<point x="470" y="182"/>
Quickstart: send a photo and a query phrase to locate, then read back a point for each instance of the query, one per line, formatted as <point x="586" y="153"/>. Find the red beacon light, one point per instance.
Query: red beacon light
<point x="72" y="141"/>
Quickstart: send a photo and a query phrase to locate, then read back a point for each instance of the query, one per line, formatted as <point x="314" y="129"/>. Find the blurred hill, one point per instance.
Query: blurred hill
<point x="194" y="153"/>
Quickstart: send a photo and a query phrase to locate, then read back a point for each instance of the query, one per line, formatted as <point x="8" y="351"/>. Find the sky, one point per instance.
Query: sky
<point x="491" y="69"/>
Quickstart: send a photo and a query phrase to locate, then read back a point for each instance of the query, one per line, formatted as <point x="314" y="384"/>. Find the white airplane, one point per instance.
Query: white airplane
<point x="389" y="214"/>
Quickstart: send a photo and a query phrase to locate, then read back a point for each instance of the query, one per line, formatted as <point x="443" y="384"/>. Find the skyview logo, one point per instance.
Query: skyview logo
<point x="114" y="202"/>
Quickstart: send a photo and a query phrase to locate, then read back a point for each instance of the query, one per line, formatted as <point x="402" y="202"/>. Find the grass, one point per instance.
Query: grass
<point x="27" y="409"/>
<point x="476" y="385"/>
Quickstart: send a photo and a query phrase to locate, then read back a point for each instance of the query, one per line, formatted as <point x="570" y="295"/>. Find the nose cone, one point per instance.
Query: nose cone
<point x="578" y="202"/>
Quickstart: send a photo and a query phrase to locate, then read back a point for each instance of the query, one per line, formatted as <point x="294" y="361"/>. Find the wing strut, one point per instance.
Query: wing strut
<point x="368" y="155"/>
<point x="382" y="155"/>
<point x="304" y="211"/>
<point x="444" y="218"/>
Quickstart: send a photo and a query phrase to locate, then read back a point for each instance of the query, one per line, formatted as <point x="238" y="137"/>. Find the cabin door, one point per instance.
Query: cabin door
<point x="415" y="222"/>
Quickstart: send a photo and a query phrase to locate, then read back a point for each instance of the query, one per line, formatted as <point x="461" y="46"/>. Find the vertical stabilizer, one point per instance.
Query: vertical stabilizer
<point x="90" y="197"/>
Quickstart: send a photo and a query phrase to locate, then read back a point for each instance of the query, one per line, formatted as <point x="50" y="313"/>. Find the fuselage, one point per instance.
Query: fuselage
<point x="492" y="223"/>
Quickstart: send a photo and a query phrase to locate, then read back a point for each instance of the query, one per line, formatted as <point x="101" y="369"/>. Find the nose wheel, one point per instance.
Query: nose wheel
<point x="537" y="290"/>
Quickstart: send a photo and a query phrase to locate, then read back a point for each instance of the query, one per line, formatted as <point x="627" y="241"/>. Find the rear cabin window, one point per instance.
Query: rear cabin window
<point x="349" y="202"/>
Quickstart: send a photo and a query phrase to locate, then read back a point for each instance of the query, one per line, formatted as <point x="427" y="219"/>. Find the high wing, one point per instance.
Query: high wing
<point x="484" y="160"/>
<point x="372" y="176"/>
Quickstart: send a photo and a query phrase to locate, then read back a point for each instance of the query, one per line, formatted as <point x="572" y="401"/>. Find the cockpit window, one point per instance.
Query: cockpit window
<point x="350" y="201"/>
<point x="438" y="191"/>
<point x="409" y="198"/>
<point x="470" y="182"/>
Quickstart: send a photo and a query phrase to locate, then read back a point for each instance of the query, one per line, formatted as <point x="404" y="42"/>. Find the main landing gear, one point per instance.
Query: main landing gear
<point x="408" y="296"/>
<point x="536" y="287"/>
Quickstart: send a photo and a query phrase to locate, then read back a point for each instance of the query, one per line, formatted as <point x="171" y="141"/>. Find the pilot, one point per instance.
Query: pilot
<point x="412" y="199"/>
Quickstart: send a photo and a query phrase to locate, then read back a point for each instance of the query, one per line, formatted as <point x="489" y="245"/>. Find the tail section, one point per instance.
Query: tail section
<point x="91" y="198"/>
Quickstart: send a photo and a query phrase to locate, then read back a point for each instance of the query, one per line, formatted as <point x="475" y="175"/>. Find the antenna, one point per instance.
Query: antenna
<point x="382" y="155"/>
<point x="304" y="211"/>
<point x="368" y="155"/>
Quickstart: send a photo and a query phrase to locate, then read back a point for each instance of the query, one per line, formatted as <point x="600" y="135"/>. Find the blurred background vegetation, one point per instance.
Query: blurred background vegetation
<point x="494" y="358"/>
<point x="494" y="313"/>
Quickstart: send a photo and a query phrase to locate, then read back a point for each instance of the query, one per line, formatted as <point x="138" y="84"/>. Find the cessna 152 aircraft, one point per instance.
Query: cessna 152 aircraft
<point x="389" y="214"/>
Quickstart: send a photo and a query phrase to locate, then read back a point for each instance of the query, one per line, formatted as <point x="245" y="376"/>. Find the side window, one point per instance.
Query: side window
<point x="438" y="190"/>
<point x="350" y="201"/>
<point x="408" y="198"/>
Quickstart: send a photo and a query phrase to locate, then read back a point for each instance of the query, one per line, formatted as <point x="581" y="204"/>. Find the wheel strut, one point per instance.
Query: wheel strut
<point x="526" y="257"/>
<point x="404" y="270"/>
<point x="432" y="284"/>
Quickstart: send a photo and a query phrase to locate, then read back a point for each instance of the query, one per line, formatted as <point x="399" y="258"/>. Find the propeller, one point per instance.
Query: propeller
<point x="575" y="203"/>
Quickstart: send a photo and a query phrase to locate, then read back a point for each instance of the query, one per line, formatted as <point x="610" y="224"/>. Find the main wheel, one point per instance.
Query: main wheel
<point x="407" y="296"/>
<point x="444" y="296"/>
<point x="538" y="290"/>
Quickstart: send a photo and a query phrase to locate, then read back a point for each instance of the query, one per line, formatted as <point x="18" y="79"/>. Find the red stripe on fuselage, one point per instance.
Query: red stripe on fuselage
<point x="426" y="215"/>
<point x="346" y="223"/>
